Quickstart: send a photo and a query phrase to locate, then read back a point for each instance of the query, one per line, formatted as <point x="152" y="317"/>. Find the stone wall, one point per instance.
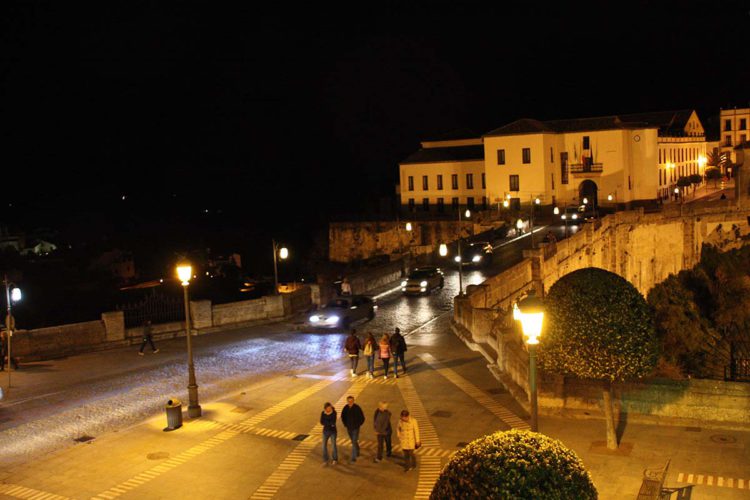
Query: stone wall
<point x="110" y="331"/>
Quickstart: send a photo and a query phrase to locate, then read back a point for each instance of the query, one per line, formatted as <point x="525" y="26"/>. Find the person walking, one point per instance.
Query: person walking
<point x="328" y="421"/>
<point x="383" y="430"/>
<point x="147" y="338"/>
<point x="385" y="353"/>
<point x="346" y="287"/>
<point x="408" y="435"/>
<point x="353" y="418"/>
<point x="352" y="346"/>
<point x="398" y="349"/>
<point x="369" y="350"/>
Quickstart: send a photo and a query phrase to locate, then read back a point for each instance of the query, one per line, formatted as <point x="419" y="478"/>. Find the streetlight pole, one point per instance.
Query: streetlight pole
<point x="530" y="311"/>
<point x="460" y="256"/>
<point x="184" y="272"/>
<point x="275" y="269"/>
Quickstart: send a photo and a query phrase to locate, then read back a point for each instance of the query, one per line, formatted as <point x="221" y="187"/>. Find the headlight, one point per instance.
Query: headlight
<point x="457" y="258"/>
<point x="476" y="258"/>
<point x="314" y="318"/>
<point x="423" y="284"/>
<point x="403" y="283"/>
<point x="332" y="320"/>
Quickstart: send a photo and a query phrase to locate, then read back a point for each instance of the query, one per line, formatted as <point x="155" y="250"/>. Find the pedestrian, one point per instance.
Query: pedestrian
<point x="4" y="352"/>
<point x="398" y="349"/>
<point x="353" y="418"/>
<point x="328" y="421"/>
<point x="352" y="346"/>
<point x="385" y="353"/>
<point x="370" y="348"/>
<point x="382" y="424"/>
<point x="550" y="238"/>
<point x="408" y="435"/>
<point x="147" y="338"/>
<point x="346" y="287"/>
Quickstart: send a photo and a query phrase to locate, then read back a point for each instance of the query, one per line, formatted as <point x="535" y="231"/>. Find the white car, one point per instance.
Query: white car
<point x="342" y="311"/>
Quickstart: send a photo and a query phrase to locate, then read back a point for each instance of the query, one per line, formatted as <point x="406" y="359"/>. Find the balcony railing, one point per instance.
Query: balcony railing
<point x="583" y="168"/>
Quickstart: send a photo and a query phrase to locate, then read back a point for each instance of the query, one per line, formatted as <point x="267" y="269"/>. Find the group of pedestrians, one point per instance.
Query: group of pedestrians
<point x="389" y="347"/>
<point x="353" y="418"/>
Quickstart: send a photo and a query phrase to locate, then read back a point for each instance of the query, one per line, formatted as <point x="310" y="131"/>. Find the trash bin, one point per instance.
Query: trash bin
<point x="174" y="414"/>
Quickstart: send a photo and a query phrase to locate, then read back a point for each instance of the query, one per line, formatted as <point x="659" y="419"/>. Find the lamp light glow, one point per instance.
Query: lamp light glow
<point x="443" y="250"/>
<point x="507" y="196"/>
<point x="519" y="224"/>
<point x="531" y="315"/>
<point x="184" y="272"/>
<point x="609" y="197"/>
<point x="585" y="201"/>
<point x="408" y="226"/>
<point x="15" y="294"/>
<point x="467" y="214"/>
<point x="556" y="211"/>
<point x="506" y="203"/>
<point x="676" y="190"/>
<point x="537" y="201"/>
<point x="283" y="252"/>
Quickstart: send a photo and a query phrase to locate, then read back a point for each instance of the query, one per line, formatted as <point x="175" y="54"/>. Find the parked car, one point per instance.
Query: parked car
<point x="423" y="280"/>
<point x="342" y="312"/>
<point x="478" y="253"/>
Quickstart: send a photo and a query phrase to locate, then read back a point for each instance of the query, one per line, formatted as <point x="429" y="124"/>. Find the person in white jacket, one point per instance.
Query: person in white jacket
<point x="408" y="434"/>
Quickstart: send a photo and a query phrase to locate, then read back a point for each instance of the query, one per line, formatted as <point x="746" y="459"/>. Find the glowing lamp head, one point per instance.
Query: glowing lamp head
<point x="184" y="273"/>
<point x="408" y="226"/>
<point x="519" y="224"/>
<point x="563" y="217"/>
<point x="15" y="294"/>
<point x="537" y="201"/>
<point x="283" y="252"/>
<point x="531" y="315"/>
<point x="556" y="211"/>
<point x="575" y="216"/>
<point x="507" y="196"/>
<point x="585" y="201"/>
<point x="443" y="250"/>
<point x="702" y="160"/>
<point x="609" y="197"/>
<point x="457" y="258"/>
<point x="467" y="214"/>
<point x="676" y="190"/>
<point x="506" y="203"/>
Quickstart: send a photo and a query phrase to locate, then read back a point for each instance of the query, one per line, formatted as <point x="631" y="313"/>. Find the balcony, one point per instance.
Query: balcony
<point x="586" y="168"/>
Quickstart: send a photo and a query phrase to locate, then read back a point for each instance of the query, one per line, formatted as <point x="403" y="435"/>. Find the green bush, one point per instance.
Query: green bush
<point x="514" y="464"/>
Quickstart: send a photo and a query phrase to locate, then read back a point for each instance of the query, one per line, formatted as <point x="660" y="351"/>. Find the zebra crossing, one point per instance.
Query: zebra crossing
<point x="416" y="409"/>
<point x="709" y="480"/>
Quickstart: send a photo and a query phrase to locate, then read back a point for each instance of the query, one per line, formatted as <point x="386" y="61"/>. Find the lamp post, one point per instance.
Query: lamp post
<point x="530" y="312"/>
<point x="612" y="197"/>
<point x="460" y="256"/>
<point x="409" y="228"/>
<point x="185" y="272"/>
<point x="278" y="253"/>
<point x="12" y="294"/>
<point x="443" y="251"/>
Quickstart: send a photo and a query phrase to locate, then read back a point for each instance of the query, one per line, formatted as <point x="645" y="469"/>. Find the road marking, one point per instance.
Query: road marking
<point x="427" y="431"/>
<point x="428" y="322"/>
<point x="17" y="491"/>
<point x="429" y="472"/>
<point x="536" y="230"/>
<point x="246" y="425"/>
<point x="720" y="482"/>
<point x="297" y="456"/>
<point x="505" y="415"/>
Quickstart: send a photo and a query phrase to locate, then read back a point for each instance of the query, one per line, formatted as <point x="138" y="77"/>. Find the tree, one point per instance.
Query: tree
<point x="713" y="159"/>
<point x="514" y="464"/>
<point x="695" y="179"/>
<point x="713" y="173"/>
<point x="683" y="182"/>
<point x="600" y="327"/>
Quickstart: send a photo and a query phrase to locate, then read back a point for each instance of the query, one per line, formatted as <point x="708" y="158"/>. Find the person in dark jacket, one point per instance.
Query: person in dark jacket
<point x="352" y="348"/>
<point x="382" y="424"/>
<point x="398" y="349"/>
<point x="353" y="418"/>
<point x="147" y="338"/>
<point x="328" y="421"/>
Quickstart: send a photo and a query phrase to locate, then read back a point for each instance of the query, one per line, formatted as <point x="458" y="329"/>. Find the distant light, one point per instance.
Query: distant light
<point x="575" y="216"/>
<point x="507" y="196"/>
<point x="443" y="250"/>
<point x="476" y="258"/>
<point x="467" y="213"/>
<point x="563" y="216"/>
<point x="676" y="190"/>
<point x="184" y="271"/>
<point x="519" y="224"/>
<point x="284" y="252"/>
<point x="123" y="197"/>
<point x="408" y="226"/>
<point x="314" y="318"/>
<point x="206" y="273"/>
<point x="457" y="258"/>
<point x="537" y="201"/>
<point x="422" y="284"/>
<point x="585" y="201"/>
<point x="556" y="211"/>
<point x="161" y="281"/>
<point x="609" y="197"/>
<point x="15" y="294"/>
<point x="506" y="203"/>
<point x="206" y="210"/>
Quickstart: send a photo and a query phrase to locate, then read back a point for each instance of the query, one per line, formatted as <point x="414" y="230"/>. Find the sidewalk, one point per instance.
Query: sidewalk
<point x="264" y="440"/>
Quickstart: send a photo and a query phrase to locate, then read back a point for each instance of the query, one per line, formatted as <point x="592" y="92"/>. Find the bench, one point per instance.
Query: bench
<point x="653" y="483"/>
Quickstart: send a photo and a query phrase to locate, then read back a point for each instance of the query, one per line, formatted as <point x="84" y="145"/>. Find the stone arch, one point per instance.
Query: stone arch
<point x="589" y="189"/>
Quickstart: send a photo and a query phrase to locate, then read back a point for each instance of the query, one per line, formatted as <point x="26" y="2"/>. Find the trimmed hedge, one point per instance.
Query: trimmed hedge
<point x="514" y="464"/>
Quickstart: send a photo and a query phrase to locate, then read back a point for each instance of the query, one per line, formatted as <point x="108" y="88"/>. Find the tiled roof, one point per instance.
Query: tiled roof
<point x="456" y="153"/>
<point x="664" y="120"/>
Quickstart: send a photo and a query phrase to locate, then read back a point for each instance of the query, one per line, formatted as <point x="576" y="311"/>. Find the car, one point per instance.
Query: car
<point x="423" y="280"/>
<point x="477" y="253"/>
<point x="343" y="311"/>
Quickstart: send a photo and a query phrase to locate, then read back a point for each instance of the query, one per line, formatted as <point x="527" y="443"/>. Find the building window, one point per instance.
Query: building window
<point x="411" y="183"/>
<point x="441" y="205"/>
<point x="630" y="185"/>
<point x="440" y="183"/>
<point x="743" y="123"/>
<point x="514" y="183"/>
<point x="411" y="204"/>
<point x="728" y="141"/>
<point x="469" y="181"/>
<point x="484" y="203"/>
<point x="551" y="155"/>
<point x="727" y="124"/>
<point x="501" y="157"/>
<point x="553" y="180"/>
<point x="470" y="203"/>
<point x="586" y="142"/>
<point x="484" y="183"/>
<point x="425" y="183"/>
<point x="454" y="181"/>
<point x="564" y="168"/>
<point x="454" y="203"/>
<point x="742" y="138"/>
<point x="526" y="155"/>
<point x="426" y="204"/>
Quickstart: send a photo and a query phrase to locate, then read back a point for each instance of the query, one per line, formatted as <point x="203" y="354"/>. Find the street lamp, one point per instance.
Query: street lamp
<point x="467" y="214"/>
<point x="530" y="312"/>
<point x="185" y="272"/>
<point x="556" y="211"/>
<point x="408" y="226"/>
<point x="12" y="294"/>
<point x="278" y="253"/>
<point x="443" y="250"/>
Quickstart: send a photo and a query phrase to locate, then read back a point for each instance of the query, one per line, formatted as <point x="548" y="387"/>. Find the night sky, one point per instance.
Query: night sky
<point x="273" y="119"/>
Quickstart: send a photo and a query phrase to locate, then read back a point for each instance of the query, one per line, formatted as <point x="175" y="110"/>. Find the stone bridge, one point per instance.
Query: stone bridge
<point x="642" y="248"/>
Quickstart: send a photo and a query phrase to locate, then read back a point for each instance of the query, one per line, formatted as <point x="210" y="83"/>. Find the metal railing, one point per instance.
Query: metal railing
<point x="157" y="308"/>
<point x="738" y="371"/>
<point x="581" y="168"/>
